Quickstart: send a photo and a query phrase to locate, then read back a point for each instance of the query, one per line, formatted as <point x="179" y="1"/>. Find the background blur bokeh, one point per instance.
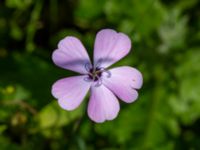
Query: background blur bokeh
<point x="166" y="49"/>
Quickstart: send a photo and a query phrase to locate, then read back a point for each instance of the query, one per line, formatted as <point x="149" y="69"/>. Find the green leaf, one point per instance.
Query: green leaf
<point x="53" y="117"/>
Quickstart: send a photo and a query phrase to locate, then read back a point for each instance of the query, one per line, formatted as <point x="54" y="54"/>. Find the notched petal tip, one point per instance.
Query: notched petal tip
<point x="110" y="46"/>
<point x="103" y="105"/>
<point x="71" y="55"/>
<point x="124" y="82"/>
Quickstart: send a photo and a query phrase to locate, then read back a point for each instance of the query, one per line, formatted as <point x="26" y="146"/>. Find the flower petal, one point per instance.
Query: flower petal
<point x="70" y="91"/>
<point x="103" y="105"/>
<point x="123" y="82"/>
<point x="110" y="47"/>
<point x="71" y="55"/>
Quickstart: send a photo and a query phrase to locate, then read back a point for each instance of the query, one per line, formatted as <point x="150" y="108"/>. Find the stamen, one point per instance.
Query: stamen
<point x="106" y="71"/>
<point x="88" y="67"/>
<point x="95" y="73"/>
<point x="98" y="64"/>
<point x="88" y="79"/>
<point x="99" y="82"/>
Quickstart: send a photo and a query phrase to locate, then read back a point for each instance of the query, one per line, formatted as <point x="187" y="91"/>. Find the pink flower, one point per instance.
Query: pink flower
<point x="105" y="84"/>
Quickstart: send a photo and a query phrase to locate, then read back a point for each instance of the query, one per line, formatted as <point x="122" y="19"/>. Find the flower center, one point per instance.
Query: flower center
<point x="95" y="74"/>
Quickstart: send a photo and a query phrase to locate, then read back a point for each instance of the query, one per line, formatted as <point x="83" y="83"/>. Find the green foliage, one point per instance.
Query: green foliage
<point x="189" y="92"/>
<point x="165" y="37"/>
<point x="143" y="17"/>
<point x="173" y="31"/>
<point x="20" y="4"/>
<point x="51" y="117"/>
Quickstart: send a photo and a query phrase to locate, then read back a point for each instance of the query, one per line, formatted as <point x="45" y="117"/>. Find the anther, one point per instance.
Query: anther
<point x="95" y="73"/>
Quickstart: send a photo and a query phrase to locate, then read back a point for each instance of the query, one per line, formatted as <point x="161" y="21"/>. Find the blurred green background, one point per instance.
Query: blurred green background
<point x="166" y="49"/>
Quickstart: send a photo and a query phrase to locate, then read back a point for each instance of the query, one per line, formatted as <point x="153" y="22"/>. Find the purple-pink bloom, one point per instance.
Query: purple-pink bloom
<point x="105" y="84"/>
